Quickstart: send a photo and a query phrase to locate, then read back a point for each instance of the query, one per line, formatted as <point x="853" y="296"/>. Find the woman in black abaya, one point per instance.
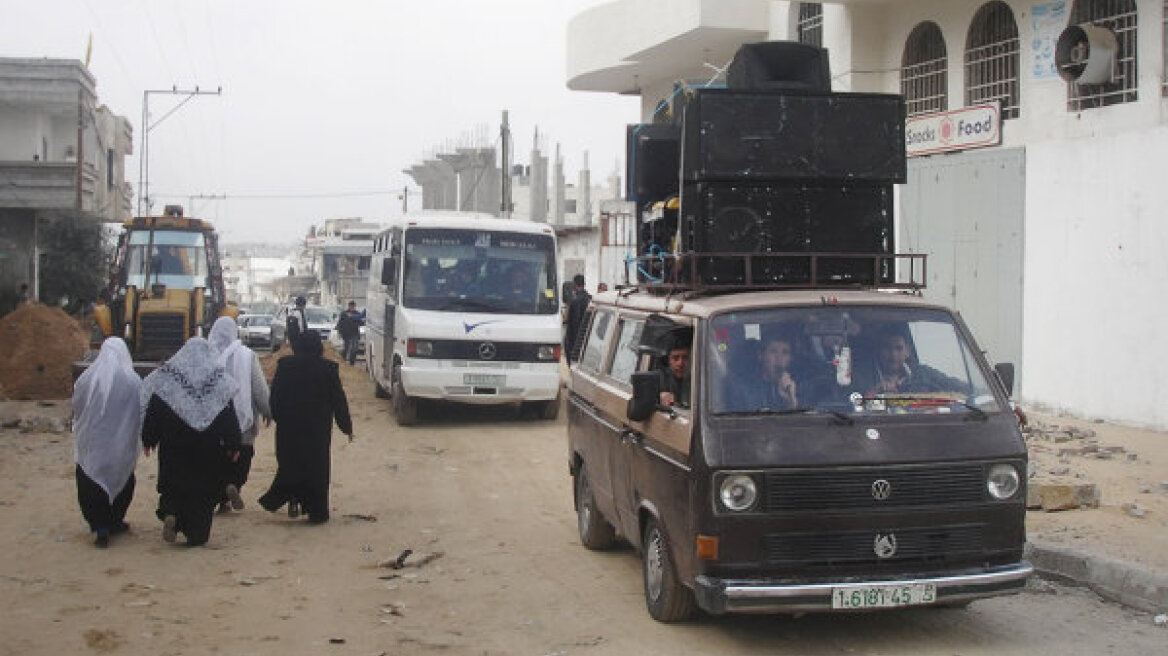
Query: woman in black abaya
<point x="189" y="416"/>
<point x="306" y="398"/>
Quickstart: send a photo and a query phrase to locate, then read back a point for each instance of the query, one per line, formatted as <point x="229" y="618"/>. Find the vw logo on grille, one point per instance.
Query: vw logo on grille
<point x="881" y="490"/>
<point x="487" y="351"/>
<point x="884" y="545"/>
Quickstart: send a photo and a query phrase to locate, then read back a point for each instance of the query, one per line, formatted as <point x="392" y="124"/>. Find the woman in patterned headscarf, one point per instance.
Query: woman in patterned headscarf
<point x="106" y="418"/>
<point x="251" y="402"/>
<point x="189" y="415"/>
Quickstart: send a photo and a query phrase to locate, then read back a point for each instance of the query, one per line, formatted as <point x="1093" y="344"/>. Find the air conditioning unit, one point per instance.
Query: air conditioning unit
<point x="1086" y="54"/>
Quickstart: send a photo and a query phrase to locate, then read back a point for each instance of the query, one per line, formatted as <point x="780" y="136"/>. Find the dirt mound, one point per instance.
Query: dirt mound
<point x="38" y="345"/>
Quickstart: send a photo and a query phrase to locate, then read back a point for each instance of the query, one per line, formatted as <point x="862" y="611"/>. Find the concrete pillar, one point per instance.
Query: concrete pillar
<point x="584" y="194"/>
<point x="558" y="189"/>
<point x="539" y="183"/>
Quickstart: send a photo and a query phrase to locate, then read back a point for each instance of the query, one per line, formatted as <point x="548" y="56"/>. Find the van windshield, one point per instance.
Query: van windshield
<point x="853" y="360"/>
<point x="459" y="270"/>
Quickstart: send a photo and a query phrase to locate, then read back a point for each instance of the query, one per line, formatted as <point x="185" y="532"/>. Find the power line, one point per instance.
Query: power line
<point x="327" y="194"/>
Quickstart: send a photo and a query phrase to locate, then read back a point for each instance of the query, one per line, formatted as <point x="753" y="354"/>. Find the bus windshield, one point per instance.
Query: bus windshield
<point x="853" y="360"/>
<point x="467" y="270"/>
<point x="178" y="259"/>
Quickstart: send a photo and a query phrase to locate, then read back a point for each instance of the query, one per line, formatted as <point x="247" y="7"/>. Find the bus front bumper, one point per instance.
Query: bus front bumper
<point x="718" y="596"/>
<point x="526" y="382"/>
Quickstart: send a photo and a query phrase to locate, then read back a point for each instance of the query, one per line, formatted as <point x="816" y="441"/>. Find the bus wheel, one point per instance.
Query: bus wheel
<point x="667" y="599"/>
<point x="548" y="410"/>
<point x="379" y="391"/>
<point x="405" y="409"/>
<point x="595" y="533"/>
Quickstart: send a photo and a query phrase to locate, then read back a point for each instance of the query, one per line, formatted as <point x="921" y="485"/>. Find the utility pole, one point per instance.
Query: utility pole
<point x="144" y="158"/>
<point x="505" y="140"/>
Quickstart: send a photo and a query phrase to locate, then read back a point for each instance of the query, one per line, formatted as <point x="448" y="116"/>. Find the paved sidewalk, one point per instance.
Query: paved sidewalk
<point x="1115" y="580"/>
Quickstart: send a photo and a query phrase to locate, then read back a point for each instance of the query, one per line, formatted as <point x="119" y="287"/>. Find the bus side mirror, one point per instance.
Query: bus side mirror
<point x="389" y="271"/>
<point x="646" y="393"/>
<point x="1006" y="375"/>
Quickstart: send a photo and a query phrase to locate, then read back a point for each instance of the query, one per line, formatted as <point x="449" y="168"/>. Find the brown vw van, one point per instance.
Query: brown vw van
<point x="837" y="453"/>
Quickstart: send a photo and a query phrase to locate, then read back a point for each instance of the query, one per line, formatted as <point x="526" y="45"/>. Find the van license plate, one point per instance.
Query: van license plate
<point x="883" y="596"/>
<point x="485" y="380"/>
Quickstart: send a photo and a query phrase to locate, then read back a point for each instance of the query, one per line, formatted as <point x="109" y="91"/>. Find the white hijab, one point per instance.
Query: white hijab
<point x="238" y="360"/>
<point x="192" y="383"/>
<point x="106" y="417"/>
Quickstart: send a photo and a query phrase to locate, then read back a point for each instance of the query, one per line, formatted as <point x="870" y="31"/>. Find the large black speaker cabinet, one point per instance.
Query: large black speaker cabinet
<point x="779" y="65"/>
<point x="787" y="136"/>
<point x="777" y="218"/>
<point x="653" y="161"/>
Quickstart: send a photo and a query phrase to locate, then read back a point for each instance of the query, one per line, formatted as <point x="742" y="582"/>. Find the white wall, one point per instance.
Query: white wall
<point x="1095" y="276"/>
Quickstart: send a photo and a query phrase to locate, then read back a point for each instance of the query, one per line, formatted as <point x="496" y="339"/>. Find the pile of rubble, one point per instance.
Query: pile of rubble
<point x="38" y="345"/>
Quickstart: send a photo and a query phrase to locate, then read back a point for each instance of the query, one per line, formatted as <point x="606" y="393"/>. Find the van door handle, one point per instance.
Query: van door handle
<point x="630" y="436"/>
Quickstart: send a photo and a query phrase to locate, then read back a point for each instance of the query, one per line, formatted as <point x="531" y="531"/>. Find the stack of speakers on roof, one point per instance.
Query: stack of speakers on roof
<point x="775" y="163"/>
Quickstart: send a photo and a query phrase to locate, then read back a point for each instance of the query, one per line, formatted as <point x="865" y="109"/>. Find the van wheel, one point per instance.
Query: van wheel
<point x="667" y="599"/>
<point x="405" y="409"/>
<point x="595" y="533"/>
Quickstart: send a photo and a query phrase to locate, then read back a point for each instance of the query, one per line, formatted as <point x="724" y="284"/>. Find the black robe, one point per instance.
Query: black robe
<point x="193" y="466"/>
<point x="306" y="398"/>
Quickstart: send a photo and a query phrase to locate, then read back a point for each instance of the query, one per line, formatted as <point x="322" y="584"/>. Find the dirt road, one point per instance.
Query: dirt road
<point x="483" y="500"/>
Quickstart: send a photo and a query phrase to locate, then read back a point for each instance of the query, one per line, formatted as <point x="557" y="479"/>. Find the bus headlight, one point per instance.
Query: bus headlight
<point x="419" y="348"/>
<point x="1002" y="482"/>
<point x="737" y="492"/>
<point x="548" y="352"/>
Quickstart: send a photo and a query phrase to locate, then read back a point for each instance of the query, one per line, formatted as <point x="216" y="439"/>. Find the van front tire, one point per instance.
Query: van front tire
<point x="595" y="533"/>
<point x="405" y="409"/>
<point x="666" y="598"/>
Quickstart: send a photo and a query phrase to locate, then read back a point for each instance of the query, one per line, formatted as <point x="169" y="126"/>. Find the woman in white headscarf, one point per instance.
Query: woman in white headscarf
<point x="106" y="418"/>
<point x="188" y="414"/>
<point x="251" y="402"/>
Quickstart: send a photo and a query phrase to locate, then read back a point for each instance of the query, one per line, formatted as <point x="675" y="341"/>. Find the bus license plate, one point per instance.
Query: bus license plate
<point x="883" y="596"/>
<point x="484" y="380"/>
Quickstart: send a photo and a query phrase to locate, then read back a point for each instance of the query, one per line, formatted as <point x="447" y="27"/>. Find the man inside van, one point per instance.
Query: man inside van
<point x="897" y="370"/>
<point x="675" y="381"/>
<point x="777" y="389"/>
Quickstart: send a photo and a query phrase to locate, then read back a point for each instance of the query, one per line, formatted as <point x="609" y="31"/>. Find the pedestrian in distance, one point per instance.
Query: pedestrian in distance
<point x="307" y="397"/>
<point x="189" y="416"/>
<point x="576" y="311"/>
<point x="297" y="324"/>
<point x="349" y="326"/>
<point x="106" y="417"/>
<point x="250" y="400"/>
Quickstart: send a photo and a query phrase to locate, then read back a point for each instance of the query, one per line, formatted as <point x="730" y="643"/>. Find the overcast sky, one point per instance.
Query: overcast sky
<point x="323" y="103"/>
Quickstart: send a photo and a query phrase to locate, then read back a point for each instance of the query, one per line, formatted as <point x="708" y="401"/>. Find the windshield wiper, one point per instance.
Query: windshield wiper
<point x="803" y="410"/>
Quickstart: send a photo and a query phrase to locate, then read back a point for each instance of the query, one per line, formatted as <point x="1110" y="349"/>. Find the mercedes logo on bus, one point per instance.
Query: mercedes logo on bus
<point x="881" y="489"/>
<point x="487" y="351"/>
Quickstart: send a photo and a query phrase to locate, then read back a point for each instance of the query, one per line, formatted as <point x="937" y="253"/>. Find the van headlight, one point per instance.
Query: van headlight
<point x="737" y="492"/>
<point x="1003" y="482"/>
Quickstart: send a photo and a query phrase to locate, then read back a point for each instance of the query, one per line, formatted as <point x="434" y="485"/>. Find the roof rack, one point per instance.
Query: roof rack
<point x="667" y="273"/>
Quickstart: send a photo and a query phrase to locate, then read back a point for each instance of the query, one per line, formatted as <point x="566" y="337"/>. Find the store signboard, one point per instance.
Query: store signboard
<point x="969" y="127"/>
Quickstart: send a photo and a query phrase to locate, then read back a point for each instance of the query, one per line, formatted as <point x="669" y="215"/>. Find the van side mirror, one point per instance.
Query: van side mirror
<point x="389" y="271"/>
<point x="1006" y="375"/>
<point x="646" y="393"/>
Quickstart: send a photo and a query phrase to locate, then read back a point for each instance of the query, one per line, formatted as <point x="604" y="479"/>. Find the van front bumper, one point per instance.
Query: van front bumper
<point x="719" y="596"/>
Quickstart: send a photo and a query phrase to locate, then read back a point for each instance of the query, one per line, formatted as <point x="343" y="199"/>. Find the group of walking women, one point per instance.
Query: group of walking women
<point x="200" y="411"/>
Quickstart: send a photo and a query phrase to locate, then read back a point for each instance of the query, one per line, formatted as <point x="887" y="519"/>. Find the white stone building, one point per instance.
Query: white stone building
<point x="1048" y="237"/>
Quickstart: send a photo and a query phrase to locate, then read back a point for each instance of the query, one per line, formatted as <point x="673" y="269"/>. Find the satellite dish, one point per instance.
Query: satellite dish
<point x="1086" y="53"/>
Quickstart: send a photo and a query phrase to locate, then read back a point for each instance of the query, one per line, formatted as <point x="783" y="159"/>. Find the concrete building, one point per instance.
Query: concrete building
<point x="62" y="157"/>
<point x="1043" y="229"/>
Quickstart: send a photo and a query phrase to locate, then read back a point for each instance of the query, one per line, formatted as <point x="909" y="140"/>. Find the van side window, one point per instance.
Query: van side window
<point x="594" y="347"/>
<point x="624" y="360"/>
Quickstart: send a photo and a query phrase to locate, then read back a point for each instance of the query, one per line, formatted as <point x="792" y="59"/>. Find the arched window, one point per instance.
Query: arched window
<point x="1120" y="17"/>
<point x="924" y="75"/>
<point x="991" y="58"/>
<point x="810" y="24"/>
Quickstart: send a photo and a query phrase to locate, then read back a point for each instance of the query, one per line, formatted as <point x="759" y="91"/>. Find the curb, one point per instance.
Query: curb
<point x="1127" y="584"/>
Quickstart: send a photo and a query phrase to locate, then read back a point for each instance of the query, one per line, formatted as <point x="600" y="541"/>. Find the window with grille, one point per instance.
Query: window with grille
<point x="811" y="23"/>
<point x="1120" y="17"/>
<point x="991" y="59"/>
<point x="924" y="75"/>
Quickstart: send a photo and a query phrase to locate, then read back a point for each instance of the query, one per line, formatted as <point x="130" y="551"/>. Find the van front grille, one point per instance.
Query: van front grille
<point x="906" y="546"/>
<point x="862" y="487"/>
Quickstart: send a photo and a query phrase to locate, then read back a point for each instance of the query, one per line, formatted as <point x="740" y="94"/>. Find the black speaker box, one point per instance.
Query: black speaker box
<point x="653" y="161"/>
<point x="781" y="218"/>
<point x="779" y="65"/>
<point x="790" y="136"/>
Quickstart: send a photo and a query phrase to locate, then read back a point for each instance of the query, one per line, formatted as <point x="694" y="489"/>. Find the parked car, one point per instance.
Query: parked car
<point x="319" y="319"/>
<point x="255" y="329"/>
